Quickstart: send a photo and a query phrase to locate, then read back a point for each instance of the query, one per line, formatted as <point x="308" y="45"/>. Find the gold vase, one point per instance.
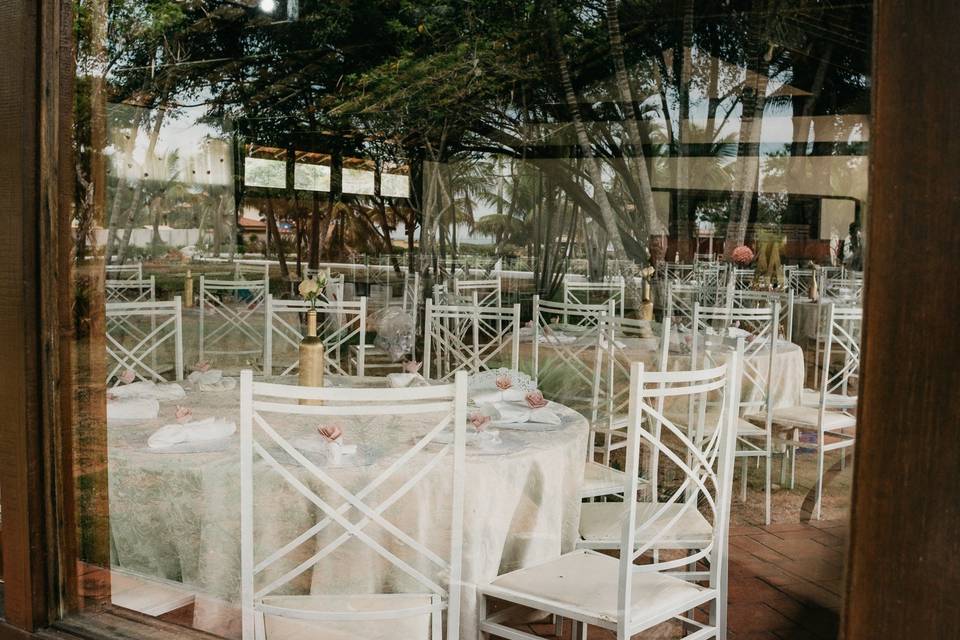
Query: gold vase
<point x="188" y="290"/>
<point x="311" y="357"/>
<point x="646" y="305"/>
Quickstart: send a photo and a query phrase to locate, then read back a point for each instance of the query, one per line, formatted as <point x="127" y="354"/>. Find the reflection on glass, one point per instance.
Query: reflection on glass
<point x="560" y="167"/>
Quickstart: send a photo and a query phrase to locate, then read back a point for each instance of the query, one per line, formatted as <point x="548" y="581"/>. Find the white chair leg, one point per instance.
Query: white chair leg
<point x="558" y="625"/>
<point x="481" y="617"/>
<point x="819" y="481"/>
<point x="743" y="480"/>
<point x="767" y="481"/>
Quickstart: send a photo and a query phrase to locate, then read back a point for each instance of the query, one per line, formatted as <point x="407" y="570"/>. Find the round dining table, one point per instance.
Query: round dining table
<point x="175" y="514"/>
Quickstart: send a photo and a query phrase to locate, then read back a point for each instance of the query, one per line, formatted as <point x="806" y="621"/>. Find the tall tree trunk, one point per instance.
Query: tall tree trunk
<point x="646" y="208"/>
<point x="583" y="140"/>
<point x="131" y="216"/>
<point x="751" y="126"/>
<point x="274" y="230"/>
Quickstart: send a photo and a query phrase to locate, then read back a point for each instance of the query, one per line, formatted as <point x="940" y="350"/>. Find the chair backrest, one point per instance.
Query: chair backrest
<point x="130" y="346"/>
<point x="489" y="292"/>
<point x="131" y="290"/>
<point x="611" y="372"/>
<point x="411" y="293"/>
<point x="704" y="463"/>
<point x="754" y="299"/>
<point x="256" y="270"/>
<point x="759" y="352"/>
<point x="125" y="271"/>
<point x="579" y="293"/>
<point x="843" y="333"/>
<point x="681" y="296"/>
<point x="470" y="338"/>
<point x="229" y="311"/>
<point x="358" y="510"/>
<point x="565" y="348"/>
<point x="339" y="324"/>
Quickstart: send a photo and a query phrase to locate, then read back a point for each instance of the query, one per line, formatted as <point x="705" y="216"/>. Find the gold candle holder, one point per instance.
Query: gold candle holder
<point x="312" y="366"/>
<point x="188" y="290"/>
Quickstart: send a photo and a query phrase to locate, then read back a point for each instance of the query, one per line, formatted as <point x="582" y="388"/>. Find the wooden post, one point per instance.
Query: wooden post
<point x="903" y="573"/>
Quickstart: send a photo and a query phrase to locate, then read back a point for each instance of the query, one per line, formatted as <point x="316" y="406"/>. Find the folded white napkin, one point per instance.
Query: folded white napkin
<point x="132" y="410"/>
<point x="148" y="389"/>
<point x="336" y="450"/>
<point x="199" y="431"/>
<point x="737" y="332"/>
<point x="544" y="415"/>
<point x="518" y="413"/>
<point x="401" y="380"/>
<point x="212" y="380"/>
<point x="492" y="396"/>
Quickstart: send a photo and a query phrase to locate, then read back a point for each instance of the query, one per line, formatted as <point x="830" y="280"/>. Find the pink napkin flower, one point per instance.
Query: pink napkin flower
<point x="203" y="366"/>
<point x="504" y="383"/>
<point x="128" y="376"/>
<point x="479" y="421"/>
<point x="529" y="324"/>
<point x="330" y="433"/>
<point x="535" y="400"/>
<point x="111" y="396"/>
<point x="183" y="414"/>
<point x="411" y="366"/>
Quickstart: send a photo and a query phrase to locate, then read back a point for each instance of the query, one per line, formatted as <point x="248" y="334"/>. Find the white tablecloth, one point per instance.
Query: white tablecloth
<point x="176" y="516"/>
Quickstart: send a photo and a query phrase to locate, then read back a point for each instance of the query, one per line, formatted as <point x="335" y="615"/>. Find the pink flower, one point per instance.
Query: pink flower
<point x="184" y="414"/>
<point x="411" y="366"/>
<point x="111" y="396"/>
<point x="742" y="255"/>
<point x="128" y="376"/>
<point x="479" y="421"/>
<point x="535" y="400"/>
<point x="529" y="324"/>
<point x="330" y="434"/>
<point x="203" y="366"/>
<point x="504" y="383"/>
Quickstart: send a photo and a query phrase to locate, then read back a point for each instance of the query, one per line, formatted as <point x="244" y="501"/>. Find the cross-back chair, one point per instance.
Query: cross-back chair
<point x="229" y="310"/>
<point x="130" y="346"/>
<point x="575" y="293"/>
<point x="594" y="589"/>
<point x="757" y="364"/>
<point x="339" y="325"/>
<point x="470" y="338"/>
<point x="832" y="420"/>
<point x="564" y="339"/>
<point x="356" y="507"/>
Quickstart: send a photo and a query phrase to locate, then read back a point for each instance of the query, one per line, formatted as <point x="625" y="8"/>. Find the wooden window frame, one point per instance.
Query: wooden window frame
<point x="900" y="582"/>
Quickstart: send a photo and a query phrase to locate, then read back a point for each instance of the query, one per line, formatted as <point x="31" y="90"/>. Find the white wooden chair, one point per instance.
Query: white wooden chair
<point x="593" y="589"/>
<point x="757" y="359"/>
<point x="799" y="281"/>
<point x="229" y="311"/>
<point x="359" y="509"/>
<point x="470" y="338"/>
<point x="339" y="325"/>
<point x="681" y="296"/>
<point x="125" y="271"/>
<point x="609" y="409"/>
<point x="565" y="350"/>
<point x="138" y="349"/>
<point x="579" y="293"/>
<point x="833" y="420"/>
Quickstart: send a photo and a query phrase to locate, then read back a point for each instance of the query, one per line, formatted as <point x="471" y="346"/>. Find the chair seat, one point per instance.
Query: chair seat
<point x="808" y="418"/>
<point x="601" y="525"/>
<point x="811" y="398"/>
<point x="313" y="627"/>
<point x="601" y="480"/>
<point x="584" y="585"/>
<point x="745" y="428"/>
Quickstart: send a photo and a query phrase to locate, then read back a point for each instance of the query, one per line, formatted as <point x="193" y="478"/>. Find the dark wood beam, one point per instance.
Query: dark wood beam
<point x="903" y="573"/>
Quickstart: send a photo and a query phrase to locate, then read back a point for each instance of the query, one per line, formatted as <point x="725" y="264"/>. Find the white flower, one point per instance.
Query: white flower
<point x="309" y="288"/>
